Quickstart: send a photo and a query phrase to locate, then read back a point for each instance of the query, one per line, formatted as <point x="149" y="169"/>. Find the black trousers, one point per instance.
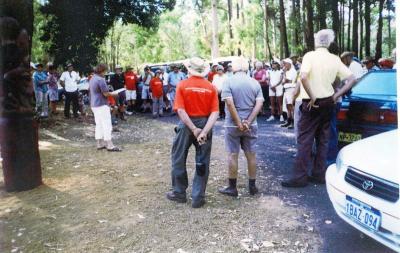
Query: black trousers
<point x="74" y="98"/>
<point x="313" y="124"/>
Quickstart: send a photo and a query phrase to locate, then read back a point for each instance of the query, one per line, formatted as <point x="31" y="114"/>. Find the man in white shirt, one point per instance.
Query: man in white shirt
<point x="355" y="67"/>
<point x="218" y="82"/>
<point x="275" y="91"/>
<point x="69" y="81"/>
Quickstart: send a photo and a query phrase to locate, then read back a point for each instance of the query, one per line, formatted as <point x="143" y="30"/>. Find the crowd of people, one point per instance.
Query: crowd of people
<point x="302" y="93"/>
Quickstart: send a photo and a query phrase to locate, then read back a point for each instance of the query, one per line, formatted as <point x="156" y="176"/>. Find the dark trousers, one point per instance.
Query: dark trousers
<point x="221" y="106"/>
<point x="74" y="98"/>
<point x="267" y="102"/>
<point x="184" y="139"/>
<point x="313" y="124"/>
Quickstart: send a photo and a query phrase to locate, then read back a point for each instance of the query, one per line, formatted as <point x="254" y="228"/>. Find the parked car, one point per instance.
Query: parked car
<point x="363" y="187"/>
<point x="370" y="108"/>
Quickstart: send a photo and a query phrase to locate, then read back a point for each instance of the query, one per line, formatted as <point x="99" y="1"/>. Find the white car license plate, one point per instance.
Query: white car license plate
<point x="363" y="213"/>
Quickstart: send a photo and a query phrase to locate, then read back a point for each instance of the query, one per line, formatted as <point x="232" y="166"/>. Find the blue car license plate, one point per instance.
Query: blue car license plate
<point x="363" y="213"/>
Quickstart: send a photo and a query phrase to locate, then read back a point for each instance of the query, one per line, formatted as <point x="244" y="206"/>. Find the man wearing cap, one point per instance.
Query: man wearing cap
<point x="355" y="67"/>
<point x="146" y="78"/>
<point x="213" y="72"/>
<point x="369" y="63"/>
<point x="289" y="84"/>
<point x="40" y="81"/>
<point x="174" y="78"/>
<point x="69" y="81"/>
<point x="197" y="107"/>
<point x="130" y="85"/>
<point x="318" y="72"/>
<point x="244" y="99"/>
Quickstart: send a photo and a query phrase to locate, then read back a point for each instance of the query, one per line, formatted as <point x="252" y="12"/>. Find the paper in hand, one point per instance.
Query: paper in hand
<point x="116" y="92"/>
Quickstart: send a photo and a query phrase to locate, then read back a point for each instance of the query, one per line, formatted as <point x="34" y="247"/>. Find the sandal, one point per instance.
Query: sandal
<point x="114" y="149"/>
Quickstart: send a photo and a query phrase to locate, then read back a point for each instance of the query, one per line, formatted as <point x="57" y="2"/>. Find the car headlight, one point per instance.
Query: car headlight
<point x="340" y="164"/>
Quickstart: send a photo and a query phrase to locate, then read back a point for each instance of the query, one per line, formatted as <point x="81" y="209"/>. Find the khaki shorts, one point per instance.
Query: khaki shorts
<point x="236" y="139"/>
<point x="130" y="94"/>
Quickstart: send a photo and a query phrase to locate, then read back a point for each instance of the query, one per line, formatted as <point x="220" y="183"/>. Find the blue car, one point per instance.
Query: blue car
<point x="370" y="108"/>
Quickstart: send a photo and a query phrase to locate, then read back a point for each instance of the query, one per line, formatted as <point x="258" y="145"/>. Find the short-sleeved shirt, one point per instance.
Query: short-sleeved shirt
<point x="244" y="91"/>
<point x="259" y="75"/>
<point x="322" y="69"/>
<point x="274" y="77"/>
<point x="40" y="77"/>
<point x="156" y="86"/>
<point x="218" y="81"/>
<point x="97" y="85"/>
<point x="356" y="69"/>
<point x="71" y="80"/>
<point x="197" y="96"/>
<point x="52" y="80"/>
<point x="146" y="78"/>
<point x="175" y="78"/>
<point x="130" y="80"/>
<point x="291" y="75"/>
<point x="117" y="81"/>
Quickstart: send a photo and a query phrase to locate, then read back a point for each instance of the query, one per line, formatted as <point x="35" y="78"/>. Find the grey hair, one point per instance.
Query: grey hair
<point x="324" y="38"/>
<point x="240" y="64"/>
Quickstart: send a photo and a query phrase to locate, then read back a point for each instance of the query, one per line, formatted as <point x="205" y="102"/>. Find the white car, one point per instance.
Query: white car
<point x="363" y="187"/>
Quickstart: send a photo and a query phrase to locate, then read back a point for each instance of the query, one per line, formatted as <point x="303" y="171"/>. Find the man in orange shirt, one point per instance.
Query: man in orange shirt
<point x="156" y="89"/>
<point x="196" y="104"/>
<point x="130" y="85"/>
<point x="213" y="72"/>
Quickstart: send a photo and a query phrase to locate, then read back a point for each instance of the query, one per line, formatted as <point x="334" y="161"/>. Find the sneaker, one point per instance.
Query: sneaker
<point x="282" y="119"/>
<point x="286" y="124"/>
<point x="128" y="113"/>
<point x="174" y="197"/>
<point x="271" y="118"/>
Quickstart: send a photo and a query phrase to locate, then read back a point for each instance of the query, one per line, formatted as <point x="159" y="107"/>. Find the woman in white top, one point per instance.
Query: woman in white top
<point x="218" y="81"/>
<point x="275" y="91"/>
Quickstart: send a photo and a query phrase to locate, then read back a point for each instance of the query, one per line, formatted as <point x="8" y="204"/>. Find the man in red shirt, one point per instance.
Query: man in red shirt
<point x="130" y="86"/>
<point x="156" y="89"/>
<point x="196" y="104"/>
<point x="213" y="72"/>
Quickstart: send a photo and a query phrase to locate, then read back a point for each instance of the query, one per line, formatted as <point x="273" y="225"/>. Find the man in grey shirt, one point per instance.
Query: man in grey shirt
<point x="243" y="101"/>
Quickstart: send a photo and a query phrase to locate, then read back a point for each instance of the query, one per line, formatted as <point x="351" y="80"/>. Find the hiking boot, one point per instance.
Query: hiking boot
<point x="271" y="118"/>
<point x="175" y="197"/>
<point x="198" y="203"/>
<point x="229" y="191"/>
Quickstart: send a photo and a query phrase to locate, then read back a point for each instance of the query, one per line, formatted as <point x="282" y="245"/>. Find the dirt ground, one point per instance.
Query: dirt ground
<point x="96" y="201"/>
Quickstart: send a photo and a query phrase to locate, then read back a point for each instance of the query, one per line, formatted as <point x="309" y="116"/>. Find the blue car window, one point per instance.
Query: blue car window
<point x="377" y="83"/>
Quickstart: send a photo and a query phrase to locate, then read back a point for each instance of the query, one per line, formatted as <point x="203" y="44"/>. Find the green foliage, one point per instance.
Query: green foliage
<point x="76" y="28"/>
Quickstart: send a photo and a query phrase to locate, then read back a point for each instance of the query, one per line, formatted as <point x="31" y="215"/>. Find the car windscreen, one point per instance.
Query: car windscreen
<point x="377" y="83"/>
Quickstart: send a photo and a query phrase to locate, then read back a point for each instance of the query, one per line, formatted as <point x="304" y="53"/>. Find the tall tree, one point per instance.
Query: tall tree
<point x="283" y="31"/>
<point x="18" y="128"/>
<point x="361" y="11"/>
<point x="69" y="18"/>
<point x="335" y="21"/>
<point x="321" y="7"/>
<point x="355" y="27"/>
<point x="214" y="21"/>
<point x="378" y="48"/>
<point x="230" y="26"/>
<point x="309" y="31"/>
<point x="367" y="28"/>
<point x="349" y="27"/>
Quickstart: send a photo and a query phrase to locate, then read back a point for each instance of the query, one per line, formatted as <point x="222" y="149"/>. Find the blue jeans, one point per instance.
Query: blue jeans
<point x="333" y="140"/>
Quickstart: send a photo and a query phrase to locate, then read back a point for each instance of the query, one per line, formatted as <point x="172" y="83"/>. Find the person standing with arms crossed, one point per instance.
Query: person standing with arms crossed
<point x="244" y="100"/>
<point x="197" y="107"/>
<point x="69" y="81"/>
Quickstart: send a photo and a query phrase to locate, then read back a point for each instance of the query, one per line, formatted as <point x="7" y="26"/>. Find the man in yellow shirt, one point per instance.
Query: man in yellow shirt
<point x="318" y="72"/>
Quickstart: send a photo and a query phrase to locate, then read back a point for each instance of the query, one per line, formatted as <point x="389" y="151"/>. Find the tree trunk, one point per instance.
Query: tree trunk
<point x="367" y="28"/>
<point x="239" y="50"/>
<point x="389" y="19"/>
<point x="296" y="23"/>
<point x="355" y="27"/>
<point x="310" y="27"/>
<point x="349" y="28"/>
<point x="361" y="30"/>
<point x="215" y="42"/>
<point x="321" y="14"/>
<point x="267" y="48"/>
<point x="18" y="128"/>
<point x="336" y="21"/>
<point x="283" y="32"/>
<point x="378" y="49"/>
<point x="230" y="26"/>
<point x="342" y="26"/>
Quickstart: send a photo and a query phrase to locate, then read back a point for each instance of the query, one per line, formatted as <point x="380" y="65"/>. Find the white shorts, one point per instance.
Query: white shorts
<point x="146" y="92"/>
<point x="289" y="96"/>
<point x="130" y="95"/>
<point x="278" y="91"/>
